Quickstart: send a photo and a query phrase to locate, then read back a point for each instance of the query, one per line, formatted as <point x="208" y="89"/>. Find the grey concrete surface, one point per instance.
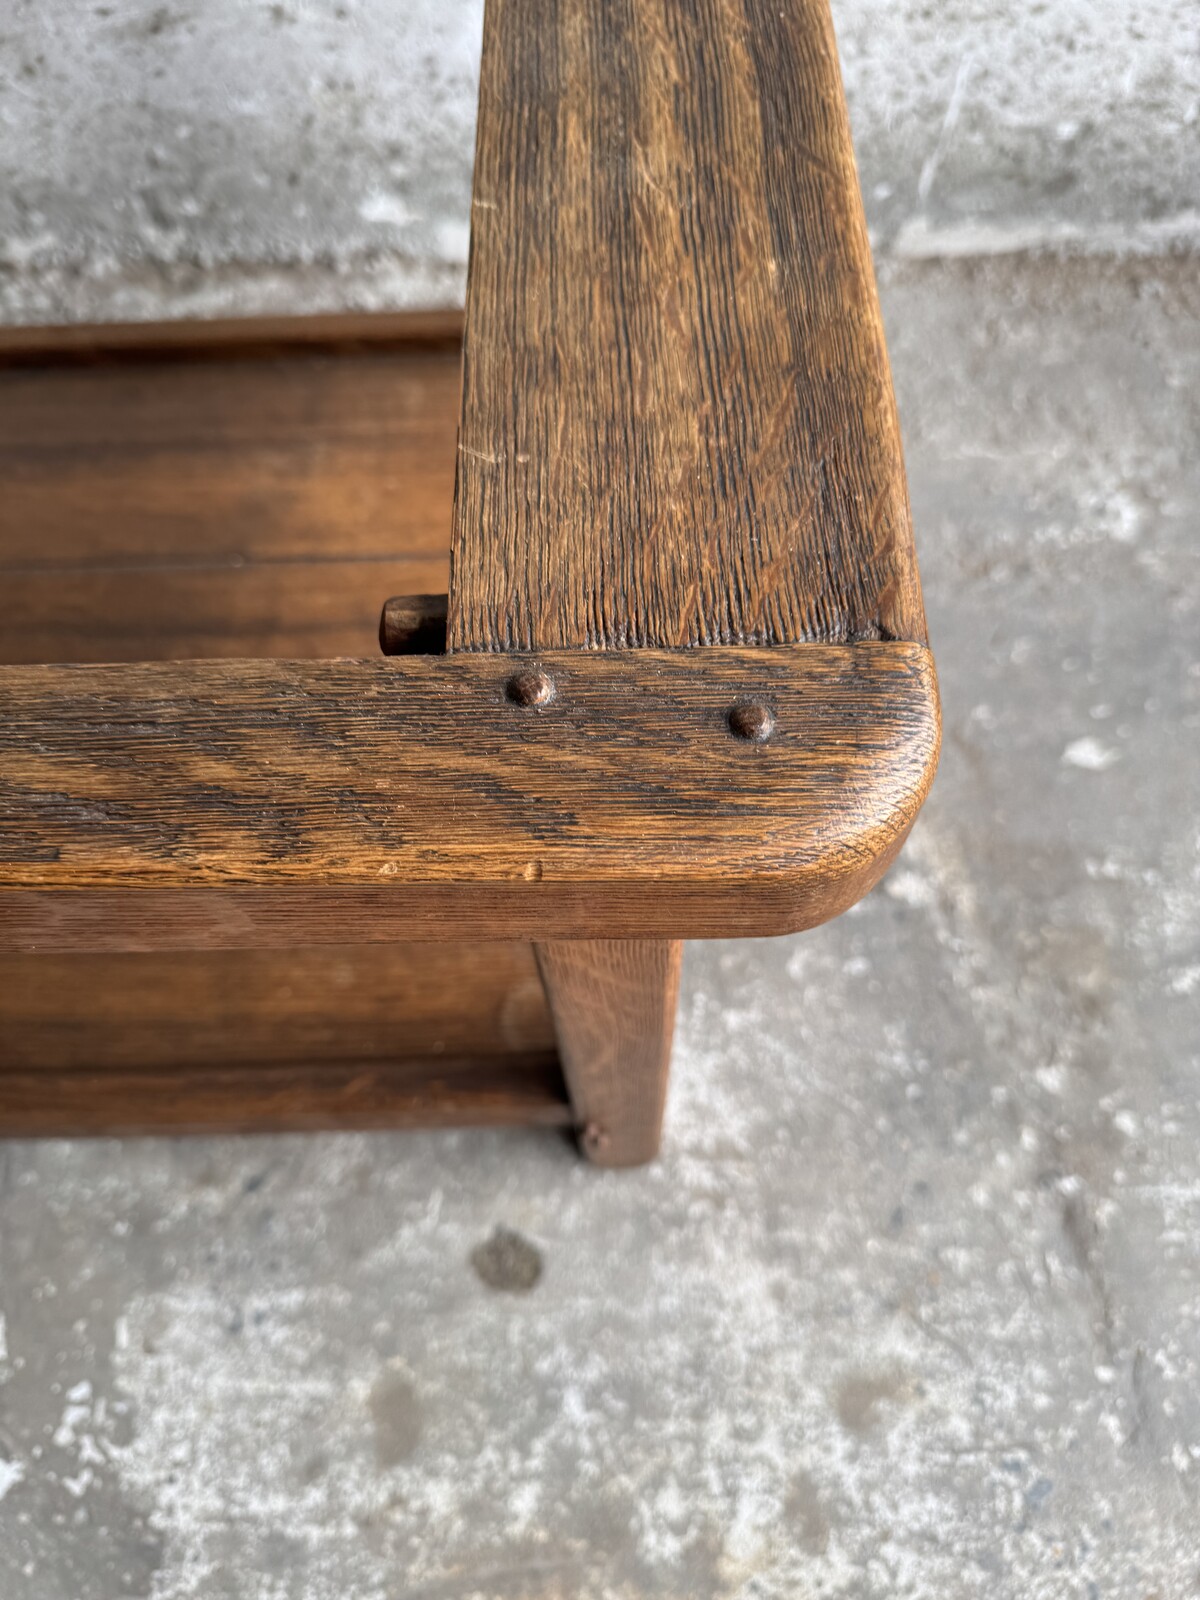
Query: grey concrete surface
<point x="911" y="1305"/>
<point x="173" y="157"/>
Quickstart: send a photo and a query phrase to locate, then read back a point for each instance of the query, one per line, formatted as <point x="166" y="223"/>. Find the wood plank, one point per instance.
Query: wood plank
<point x="614" y="1008"/>
<point x="299" y="609"/>
<point x="422" y="796"/>
<point x="678" y="425"/>
<point x="382" y="1003"/>
<point x="501" y="1091"/>
<point x="226" y="338"/>
<point x="235" y="490"/>
<point x="228" y="461"/>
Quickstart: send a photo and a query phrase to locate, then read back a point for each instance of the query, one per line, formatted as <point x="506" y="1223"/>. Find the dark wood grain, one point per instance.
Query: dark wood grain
<point x="214" y="491"/>
<point x="413" y="792"/>
<point x="614" y="1002"/>
<point x="500" y="1091"/>
<point x="677" y="429"/>
<point x="225" y="338"/>
<point x="678" y="425"/>
<point x="355" y="1037"/>
<point x="311" y="455"/>
<point x="283" y="610"/>
<point x="361" y="1003"/>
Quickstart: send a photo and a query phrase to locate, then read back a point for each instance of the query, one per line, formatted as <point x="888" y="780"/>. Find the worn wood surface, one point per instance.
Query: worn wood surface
<point x="613" y="1002"/>
<point x="358" y="1003"/>
<point x="317" y="802"/>
<point x="497" y="1091"/>
<point x="678" y="425"/>
<point x="677" y="429"/>
<point x="248" y="490"/>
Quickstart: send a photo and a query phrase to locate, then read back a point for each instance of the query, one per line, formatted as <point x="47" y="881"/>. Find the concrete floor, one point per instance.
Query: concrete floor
<point x="911" y="1304"/>
<point x="174" y="157"/>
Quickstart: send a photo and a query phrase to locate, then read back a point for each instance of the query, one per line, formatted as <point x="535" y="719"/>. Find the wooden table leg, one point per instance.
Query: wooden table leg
<point x="613" y="1003"/>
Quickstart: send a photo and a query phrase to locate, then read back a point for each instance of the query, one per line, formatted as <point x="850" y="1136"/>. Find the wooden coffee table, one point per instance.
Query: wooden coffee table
<point x="656" y="659"/>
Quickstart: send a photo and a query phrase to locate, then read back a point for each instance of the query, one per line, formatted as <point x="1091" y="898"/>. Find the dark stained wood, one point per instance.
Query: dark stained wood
<point x="614" y="1007"/>
<point x="361" y="1003"/>
<point x="678" y="425"/>
<point x="353" y="1037"/>
<point x="500" y="1091"/>
<point x="310" y="455"/>
<point x="256" y="490"/>
<point x="274" y="610"/>
<point x="677" y="429"/>
<point x="413" y="625"/>
<point x="225" y="338"/>
<point x="324" y="802"/>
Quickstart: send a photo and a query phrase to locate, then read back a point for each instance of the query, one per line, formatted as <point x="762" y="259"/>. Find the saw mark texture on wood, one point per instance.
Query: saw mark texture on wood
<point x="678" y="425"/>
